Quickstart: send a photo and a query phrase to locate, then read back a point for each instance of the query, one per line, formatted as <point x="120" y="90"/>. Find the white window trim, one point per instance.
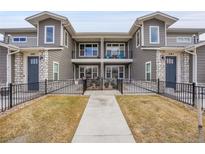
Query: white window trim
<point x="65" y="38"/>
<point x="138" y="33"/>
<point x="149" y="62"/>
<point x="177" y="39"/>
<point x="92" y="47"/>
<point x="118" y="45"/>
<point x="150" y="36"/>
<point x="19" y="39"/>
<point x="85" y="67"/>
<point x="45" y="34"/>
<point x="111" y="66"/>
<point x="58" y="68"/>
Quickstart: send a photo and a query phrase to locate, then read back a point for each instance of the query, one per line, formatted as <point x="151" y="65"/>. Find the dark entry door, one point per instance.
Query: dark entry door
<point x="33" y="73"/>
<point x="171" y="71"/>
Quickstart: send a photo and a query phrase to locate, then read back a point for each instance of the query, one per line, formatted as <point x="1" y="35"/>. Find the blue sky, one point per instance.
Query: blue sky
<point x="103" y="21"/>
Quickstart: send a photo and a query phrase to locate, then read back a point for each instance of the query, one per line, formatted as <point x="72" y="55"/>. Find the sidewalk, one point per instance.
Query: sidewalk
<point x="102" y="121"/>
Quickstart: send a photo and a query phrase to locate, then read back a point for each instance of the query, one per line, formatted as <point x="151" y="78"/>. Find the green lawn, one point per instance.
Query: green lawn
<point x="52" y="119"/>
<point x="157" y="119"/>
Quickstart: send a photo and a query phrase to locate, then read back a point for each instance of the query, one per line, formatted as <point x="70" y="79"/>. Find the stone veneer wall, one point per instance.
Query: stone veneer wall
<point x="43" y="66"/>
<point x="160" y="74"/>
<point x="18" y="68"/>
<point x="185" y="67"/>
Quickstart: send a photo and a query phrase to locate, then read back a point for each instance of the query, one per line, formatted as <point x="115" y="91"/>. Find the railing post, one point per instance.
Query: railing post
<point x="158" y="86"/>
<point x="121" y="86"/>
<point x="84" y="85"/>
<point x="193" y="93"/>
<point x="46" y="86"/>
<point x="10" y="95"/>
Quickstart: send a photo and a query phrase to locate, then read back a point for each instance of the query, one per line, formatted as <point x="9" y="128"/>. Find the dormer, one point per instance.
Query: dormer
<point x="51" y="28"/>
<point x="153" y="28"/>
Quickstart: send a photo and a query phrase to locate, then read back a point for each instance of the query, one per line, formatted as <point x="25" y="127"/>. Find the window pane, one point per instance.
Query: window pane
<point x="121" y="75"/>
<point x="22" y="39"/>
<point x="55" y="76"/>
<point x="55" y="68"/>
<point x="82" y="69"/>
<point x="154" y="34"/>
<point x="81" y="75"/>
<point x="148" y="76"/>
<point x="49" y="32"/>
<point x="16" y="39"/>
<point x="94" y="69"/>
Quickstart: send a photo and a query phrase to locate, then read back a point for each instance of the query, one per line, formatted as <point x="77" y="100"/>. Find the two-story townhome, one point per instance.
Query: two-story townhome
<point x="53" y="50"/>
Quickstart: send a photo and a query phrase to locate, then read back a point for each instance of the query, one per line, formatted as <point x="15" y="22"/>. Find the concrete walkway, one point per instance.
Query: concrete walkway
<point x="103" y="121"/>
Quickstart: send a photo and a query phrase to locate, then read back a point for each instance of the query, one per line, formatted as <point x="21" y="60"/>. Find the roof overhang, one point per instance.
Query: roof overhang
<point x="186" y="30"/>
<point x="9" y="46"/>
<point x="17" y="30"/>
<point x="97" y="36"/>
<point x="167" y="48"/>
<point x="40" y="49"/>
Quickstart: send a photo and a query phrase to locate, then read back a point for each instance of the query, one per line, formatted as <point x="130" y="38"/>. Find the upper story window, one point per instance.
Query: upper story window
<point x="115" y="50"/>
<point x="49" y="34"/>
<point x="19" y="39"/>
<point x="88" y="50"/>
<point x="66" y="39"/>
<point x="154" y="34"/>
<point x="138" y="38"/>
<point x="183" y="39"/>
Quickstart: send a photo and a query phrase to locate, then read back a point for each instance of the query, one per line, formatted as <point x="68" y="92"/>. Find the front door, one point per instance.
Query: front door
<point x="33" y="73"/>
<point x="171" y="72"/>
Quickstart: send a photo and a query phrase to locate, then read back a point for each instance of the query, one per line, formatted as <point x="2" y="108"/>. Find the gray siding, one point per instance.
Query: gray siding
<point x="154" y="22"/>
<point x="172" y="39"/>
<point x="3" y="64"/>
<point x="140" y="57"/>
<point x="201" y="64"/>
<point x="57" y="25"/>
<point x="64" y="59"/>
<point x="31" y="39"/>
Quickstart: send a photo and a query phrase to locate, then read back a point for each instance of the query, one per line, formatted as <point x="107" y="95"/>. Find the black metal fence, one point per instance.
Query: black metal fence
<point x="187" y="93"/>
<point x="16" y="94"/>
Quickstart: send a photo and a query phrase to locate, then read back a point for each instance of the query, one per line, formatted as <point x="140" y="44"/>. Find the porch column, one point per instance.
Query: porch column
<point x="19" y="68"/>
<point x="102" y="57"/>
<point x="8" y="67"/>
<point x="74" y="71"/>
<point x="129" y="76"/>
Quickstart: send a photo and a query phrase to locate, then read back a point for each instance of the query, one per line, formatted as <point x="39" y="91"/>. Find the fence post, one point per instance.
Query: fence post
<point x="84" y="85"/>
<point x="121" y="86"/>
<point x="10" y="95"/>
<point x="46" y="86"/>
<point x="158" y="86"/>
<point x="193" y="93"/>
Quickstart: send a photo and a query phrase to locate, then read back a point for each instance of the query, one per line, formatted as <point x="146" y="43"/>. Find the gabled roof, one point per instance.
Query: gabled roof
<point x="169" y="20"/>
<point x="34" y="19"/>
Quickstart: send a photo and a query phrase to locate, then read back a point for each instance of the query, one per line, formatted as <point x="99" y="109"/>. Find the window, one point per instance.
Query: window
<point x="66" y="39"/>
<point x="55" y="71"/>
<point x="20" y="39"/>
<point x="115" y="50"/>
<point x="148" y="71"/>
<point x="183" y="39"/>
<point x="115" y="71"/>
<point x="138" y="38"/>
<point x="88" y="50"/>
<point x="90" y="72"/>
<point x="49" y="34"/>
<point x="154" y="34"/>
